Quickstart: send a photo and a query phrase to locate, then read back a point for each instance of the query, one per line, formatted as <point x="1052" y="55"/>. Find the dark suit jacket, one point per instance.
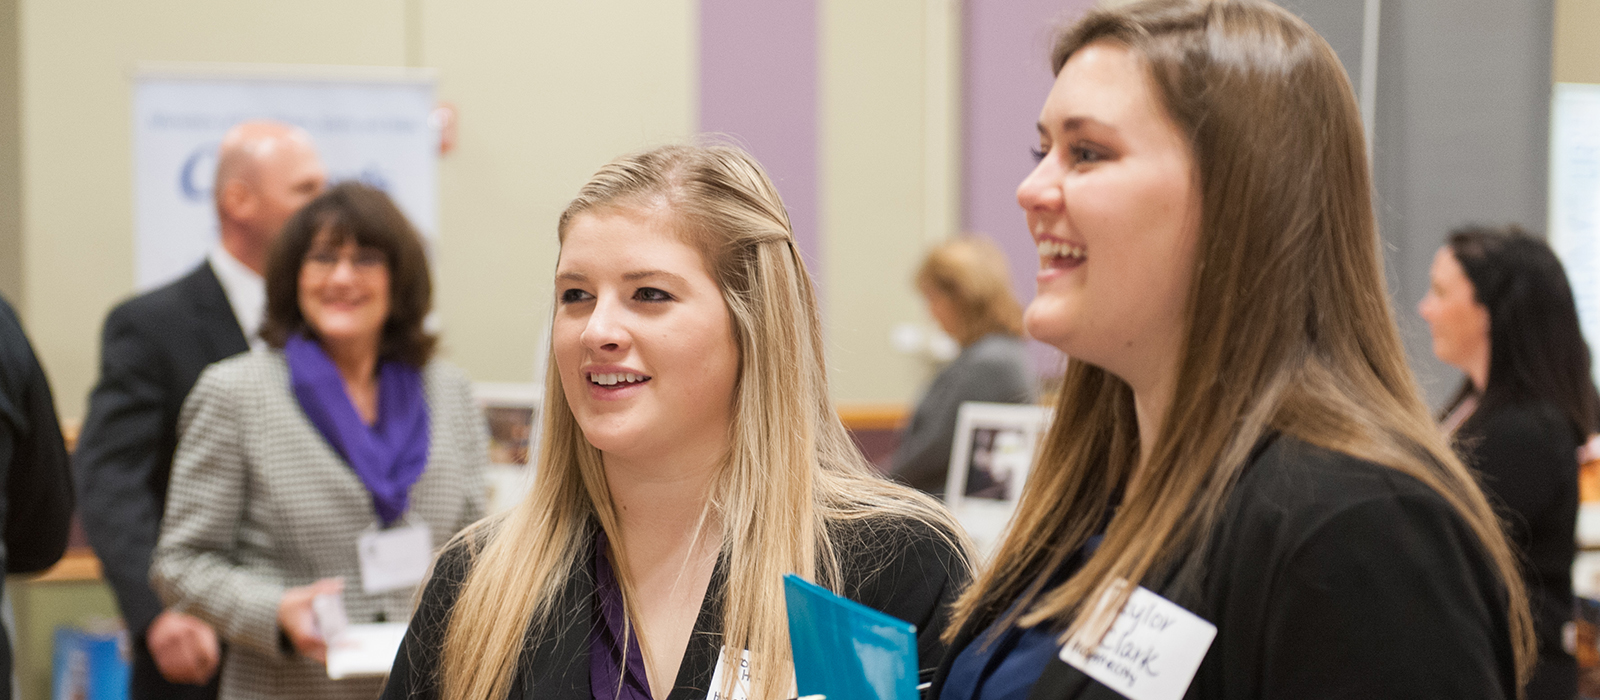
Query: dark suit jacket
<point x="1328" y="577"/>
<point x="904" y="568"/>
<point x="151" y="352"/>
<point x="36" y="487"/>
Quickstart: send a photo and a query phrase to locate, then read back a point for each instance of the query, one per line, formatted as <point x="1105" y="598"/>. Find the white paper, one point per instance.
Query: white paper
<point x="395" y="558"/>
<point x="365" y="650"/>
<point x="741" y="686"/>
<point x="1588" y="534"/>
<point x="328" y="608"/>
<point x="1151" y="652"/>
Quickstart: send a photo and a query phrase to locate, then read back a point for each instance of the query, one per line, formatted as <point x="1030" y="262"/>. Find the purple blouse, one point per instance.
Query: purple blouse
<point x="609" y="679"/>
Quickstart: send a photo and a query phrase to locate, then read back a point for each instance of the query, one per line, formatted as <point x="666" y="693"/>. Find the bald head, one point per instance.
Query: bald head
<point x="266" y="171"/>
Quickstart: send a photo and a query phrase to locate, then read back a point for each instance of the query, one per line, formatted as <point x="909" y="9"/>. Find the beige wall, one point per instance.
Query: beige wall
<point x="77" y="204"/>
<point x="887" y="188"/>
<point x="546" y="92"/>
<point x="10" y="161"/>
<point x="1577" y="53"/>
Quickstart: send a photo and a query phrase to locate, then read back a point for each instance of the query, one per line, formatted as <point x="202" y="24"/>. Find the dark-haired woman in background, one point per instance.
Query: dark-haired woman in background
<point x="1501" y="311"/>
<point x="345" y="430"/>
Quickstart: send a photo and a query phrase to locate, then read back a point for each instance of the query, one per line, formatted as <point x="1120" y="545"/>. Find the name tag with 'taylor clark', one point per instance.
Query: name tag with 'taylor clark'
<point x="1151" y="652"/>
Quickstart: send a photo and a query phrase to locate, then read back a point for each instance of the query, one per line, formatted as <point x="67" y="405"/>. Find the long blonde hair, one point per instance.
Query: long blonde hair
<point x="1289" y="325"/>
<point x="791" y="469"/>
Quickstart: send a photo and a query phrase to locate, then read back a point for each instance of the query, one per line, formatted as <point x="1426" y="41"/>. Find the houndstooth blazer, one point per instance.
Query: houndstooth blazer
<point x="260" y="503"/>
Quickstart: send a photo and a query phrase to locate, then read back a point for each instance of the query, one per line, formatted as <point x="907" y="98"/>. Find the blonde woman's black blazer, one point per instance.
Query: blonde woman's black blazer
<point x="1329" y="577"/>
<point x="903" y="567"/>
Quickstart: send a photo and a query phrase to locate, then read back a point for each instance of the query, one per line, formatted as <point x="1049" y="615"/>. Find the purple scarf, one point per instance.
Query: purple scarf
<point x="388" y="456"/>
<point x="608" y="673"/>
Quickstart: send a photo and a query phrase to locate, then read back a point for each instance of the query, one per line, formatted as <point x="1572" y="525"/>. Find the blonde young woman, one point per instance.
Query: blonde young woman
<point x="1238" y="432"/>
<point x="968" y="292"/>
<point x="690" y="458"/>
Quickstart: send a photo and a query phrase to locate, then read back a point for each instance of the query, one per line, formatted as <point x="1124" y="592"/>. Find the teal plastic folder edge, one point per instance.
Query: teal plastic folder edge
<point x="845" y="650"/>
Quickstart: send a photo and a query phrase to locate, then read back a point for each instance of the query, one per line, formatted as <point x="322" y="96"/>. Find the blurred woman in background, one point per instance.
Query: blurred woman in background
<point x="691" y="457"/>
<point x="968" y="291"/>
<point x="1238" y="434"/>
<point x="1501" y="311"/>
<point x="345" y="431"/>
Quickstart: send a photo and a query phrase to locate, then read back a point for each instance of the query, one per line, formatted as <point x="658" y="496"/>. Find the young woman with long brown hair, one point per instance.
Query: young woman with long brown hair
<point x="690" y="457"/>
<point x="1238" y="434"/>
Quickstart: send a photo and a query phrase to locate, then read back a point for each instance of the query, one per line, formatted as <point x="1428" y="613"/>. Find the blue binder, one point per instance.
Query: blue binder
<point x="845" y="650"/>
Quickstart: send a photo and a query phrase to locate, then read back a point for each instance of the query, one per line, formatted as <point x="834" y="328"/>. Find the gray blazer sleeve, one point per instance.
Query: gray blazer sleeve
<point x="468" y="420"/>
<point x="192" y="568"/>
<point x="981" y="374"/>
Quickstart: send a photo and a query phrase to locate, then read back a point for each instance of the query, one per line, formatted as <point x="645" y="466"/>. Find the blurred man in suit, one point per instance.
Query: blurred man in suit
<point x="35" y="486"/>
<point x="152" y="350"/>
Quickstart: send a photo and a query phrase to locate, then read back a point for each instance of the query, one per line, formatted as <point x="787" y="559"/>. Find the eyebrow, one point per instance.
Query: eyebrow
<point x="627" y="276"/>
<point x="647" y="274"/>
<point x="1072" y="124"/>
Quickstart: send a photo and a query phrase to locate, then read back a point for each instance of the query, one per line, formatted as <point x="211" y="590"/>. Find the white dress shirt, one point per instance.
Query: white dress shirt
<point x="246" y="292"/>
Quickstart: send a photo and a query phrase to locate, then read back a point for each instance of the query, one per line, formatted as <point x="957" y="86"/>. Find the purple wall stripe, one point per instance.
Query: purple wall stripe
<point x="1005" y="77"/>
<point x="758" y="84"/>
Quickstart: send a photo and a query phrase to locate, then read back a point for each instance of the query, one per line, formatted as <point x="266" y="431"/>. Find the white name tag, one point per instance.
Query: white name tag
<point x="1151" y="652"/>
<point x="741" y="683"/>
<point x="395" y="558"/>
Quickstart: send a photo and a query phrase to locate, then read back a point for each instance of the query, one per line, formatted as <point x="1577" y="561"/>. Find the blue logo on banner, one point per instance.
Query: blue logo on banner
<point x="372" y="177"/>
<point x="194" y="181"/>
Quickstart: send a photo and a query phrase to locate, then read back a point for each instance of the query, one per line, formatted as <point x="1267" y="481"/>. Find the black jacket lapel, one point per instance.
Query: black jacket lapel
<point x="705" y="644"/>
<point x="216" y="325"/>
<point x="1060" y="681"/>
<point x="559" y="657"/>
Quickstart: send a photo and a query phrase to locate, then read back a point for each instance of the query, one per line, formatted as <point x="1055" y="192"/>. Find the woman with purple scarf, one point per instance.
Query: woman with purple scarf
<point x="331" y="463"/>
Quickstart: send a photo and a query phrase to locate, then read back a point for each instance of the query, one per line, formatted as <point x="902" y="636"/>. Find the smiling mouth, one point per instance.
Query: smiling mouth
<point x="1060" y="254"/>
<point x="616" y="379"/>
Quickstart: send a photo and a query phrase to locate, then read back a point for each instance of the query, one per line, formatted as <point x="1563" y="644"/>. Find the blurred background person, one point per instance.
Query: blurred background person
<point x="288" y="455"/>
<point x="692" y="456"/>
<point x="967" y="287"/>
<point x="1238" y="434"/>
<point x="1500" y="310"/>
<point x="36" y="488"/>
<point x="152" y="349"/>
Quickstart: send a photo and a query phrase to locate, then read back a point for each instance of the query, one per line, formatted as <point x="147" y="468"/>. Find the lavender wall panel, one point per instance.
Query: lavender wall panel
<point x="758" y="84"/>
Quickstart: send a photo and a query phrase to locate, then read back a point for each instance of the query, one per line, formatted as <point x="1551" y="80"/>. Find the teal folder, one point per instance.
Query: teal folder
<point x="845" y="650"/>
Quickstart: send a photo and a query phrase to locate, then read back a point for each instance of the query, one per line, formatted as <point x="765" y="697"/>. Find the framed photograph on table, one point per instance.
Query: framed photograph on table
<point x="989" y="462"/>
<point x="512" y="412"/>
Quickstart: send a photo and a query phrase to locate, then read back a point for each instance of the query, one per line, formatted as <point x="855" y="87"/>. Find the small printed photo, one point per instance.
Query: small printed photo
<point x="512" y="414"/>
<point x="510" y="434"/>
<point x="989" y="462"/>
<point x="992" y="450"/>
<point x="998" y="462"/>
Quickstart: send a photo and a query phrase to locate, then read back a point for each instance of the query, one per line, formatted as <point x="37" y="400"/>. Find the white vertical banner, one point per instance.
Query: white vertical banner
<point x="1575" y="198"/>
<point x="368" y="124"/>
